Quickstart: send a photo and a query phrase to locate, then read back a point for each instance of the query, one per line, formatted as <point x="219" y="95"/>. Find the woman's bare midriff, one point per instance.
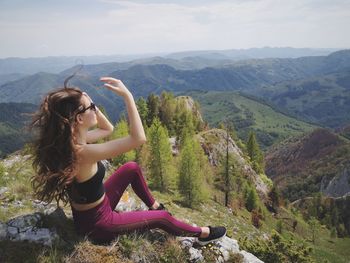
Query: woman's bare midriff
<point x="83" y="207"/>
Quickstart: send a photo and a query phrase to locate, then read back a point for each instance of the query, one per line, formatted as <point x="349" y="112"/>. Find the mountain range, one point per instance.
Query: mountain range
<point x="257" y="76"/>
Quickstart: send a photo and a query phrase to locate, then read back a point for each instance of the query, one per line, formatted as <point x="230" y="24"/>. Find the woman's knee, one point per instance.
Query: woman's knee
<point x="165" y="214"/>
<point x="128" y="168"/>
<point x="133" y="167"/>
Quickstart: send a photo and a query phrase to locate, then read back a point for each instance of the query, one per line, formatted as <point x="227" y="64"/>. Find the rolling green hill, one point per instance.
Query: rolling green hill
<point x="246" y="113"/>
<point x="12" y="120"/>
<point x="325" y="99"/>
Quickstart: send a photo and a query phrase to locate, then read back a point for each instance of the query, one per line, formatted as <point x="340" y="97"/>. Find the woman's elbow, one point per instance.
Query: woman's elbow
<point x="110" y="129"/>
<point x="142" y="140"/>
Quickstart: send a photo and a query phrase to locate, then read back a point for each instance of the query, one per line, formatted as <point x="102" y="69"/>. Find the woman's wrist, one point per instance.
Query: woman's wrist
<point x="127" y="95"/>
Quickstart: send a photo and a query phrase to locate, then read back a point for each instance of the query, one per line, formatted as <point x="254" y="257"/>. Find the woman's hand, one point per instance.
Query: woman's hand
<point x="115" y="85"/>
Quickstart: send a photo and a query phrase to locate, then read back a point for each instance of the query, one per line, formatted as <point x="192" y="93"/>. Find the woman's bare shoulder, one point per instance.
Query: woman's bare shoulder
<point x="94" y="152"/>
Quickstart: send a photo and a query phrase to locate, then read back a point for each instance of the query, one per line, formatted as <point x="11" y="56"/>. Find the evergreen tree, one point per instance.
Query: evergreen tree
<point x="314" y="226"/>
<point x="153" y="104"/>
<point x="230" y="167"/>
<point x="251" y="199"/>
<point x="180" y="110"/>
<point x="187" y="128"/>
<point x="143" y="110"/>
<point x="275" y="198"/>
<point x="189" y="174"/>
<point x="167" y="111"/>
<point x="159" y="162"/>
<point x="255" y="154"/>
<point x="121" y="130"/>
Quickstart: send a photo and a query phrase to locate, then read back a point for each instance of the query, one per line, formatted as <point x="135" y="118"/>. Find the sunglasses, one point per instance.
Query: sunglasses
<point x="92" y="106"/>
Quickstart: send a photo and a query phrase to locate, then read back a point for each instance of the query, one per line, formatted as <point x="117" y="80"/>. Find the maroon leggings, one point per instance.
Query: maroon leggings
<point x="102" y="223"/>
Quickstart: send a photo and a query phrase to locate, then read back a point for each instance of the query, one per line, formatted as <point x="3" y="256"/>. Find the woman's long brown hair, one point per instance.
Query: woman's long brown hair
<point x="54" y="150"/>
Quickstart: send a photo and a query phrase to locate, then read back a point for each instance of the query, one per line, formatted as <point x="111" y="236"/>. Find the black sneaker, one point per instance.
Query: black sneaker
<point x="215" y="233"/>
<point x="160" y="207"/>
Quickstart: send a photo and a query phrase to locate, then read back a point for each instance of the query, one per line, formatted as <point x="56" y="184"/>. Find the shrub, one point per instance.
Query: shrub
<point x="277" y="249"/>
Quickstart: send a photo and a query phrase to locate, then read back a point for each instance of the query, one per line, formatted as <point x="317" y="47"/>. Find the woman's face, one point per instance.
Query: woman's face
<point x="87" y="118"/>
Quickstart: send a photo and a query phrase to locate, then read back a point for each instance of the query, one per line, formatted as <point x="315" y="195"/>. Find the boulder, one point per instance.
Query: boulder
<point x="30" y="228"/>
<point x="226" y="246"/>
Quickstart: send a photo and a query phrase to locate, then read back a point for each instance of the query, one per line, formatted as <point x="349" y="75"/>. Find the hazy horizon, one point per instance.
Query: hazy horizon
<point x="139" y="27"/>
<point x="165" y="53"/>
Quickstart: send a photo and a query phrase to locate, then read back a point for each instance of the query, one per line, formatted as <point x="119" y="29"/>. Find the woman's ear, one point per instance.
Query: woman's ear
<point x="78" y="119"/>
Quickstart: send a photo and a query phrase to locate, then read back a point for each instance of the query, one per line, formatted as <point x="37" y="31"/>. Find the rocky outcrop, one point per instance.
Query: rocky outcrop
<point x="189" y="104"/>
<point x="338" y="186"/>
<point x="30" y="228"/>
<point x="213" y="143"/>
<point x="317" y="161"/>
<point x="224" y="246"/>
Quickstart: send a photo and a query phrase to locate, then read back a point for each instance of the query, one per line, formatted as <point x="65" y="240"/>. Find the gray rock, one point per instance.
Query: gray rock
<point x="339" y="185"/>
<point x="3" y="231"/>
<point x="43" y="206"/>
<point x="11" y="231"/>
<point x="25" y="222"/>
<point x="225" y="245"/>
<point x="3" y="190"/>
<point x="195" y="255"/>
<point x="29" y="228"/>
<point x="38" y="235"/>
<point x="186" y="242"/>
<point x="250" y="258"/>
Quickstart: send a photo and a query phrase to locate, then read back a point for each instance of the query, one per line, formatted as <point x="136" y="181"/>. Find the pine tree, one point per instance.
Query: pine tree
<point x="255" y="154"/>
<point x="121" y="130"/>
<point x="159" y="163"/>
<point x="167" y="111"/>
<point x="251" y="199"/>
<point x="275" y="198"/>
<point x="142" y="108"/>
<point x="189" y="174"/>
<point x="153" y="104"/>
<point x="229" y="167"/>
<point x="314" y="226"/>
<point x="187" y="128"/>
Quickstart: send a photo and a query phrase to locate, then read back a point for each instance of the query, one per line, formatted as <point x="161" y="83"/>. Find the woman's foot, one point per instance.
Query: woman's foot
<point x="205" y="232"/>
<point x="158" y="206"/>
<point x="215" y="233"/>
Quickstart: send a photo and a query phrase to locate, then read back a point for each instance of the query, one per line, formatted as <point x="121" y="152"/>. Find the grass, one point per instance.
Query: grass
<point x="248" y="114"/>
<point x="155" y="246"/>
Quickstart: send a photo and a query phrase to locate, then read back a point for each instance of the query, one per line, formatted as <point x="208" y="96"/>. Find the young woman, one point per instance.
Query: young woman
<point x="68" y="168"/>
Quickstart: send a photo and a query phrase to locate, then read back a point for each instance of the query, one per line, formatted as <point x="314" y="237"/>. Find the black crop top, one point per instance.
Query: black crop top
<point x="90" y="190"/>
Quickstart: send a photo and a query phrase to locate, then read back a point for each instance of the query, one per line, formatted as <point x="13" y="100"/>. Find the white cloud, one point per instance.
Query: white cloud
<point x="124" y="27"/>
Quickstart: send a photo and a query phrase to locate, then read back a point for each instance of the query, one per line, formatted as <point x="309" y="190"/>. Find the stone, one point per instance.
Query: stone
<point x="25" y="222"/>
<point x="186" y="242"/>
<point x="38" y="235"/>
<point x="3" y="231"/>
<point x="195" y="255"/>
<point x="249" y="257"/>
<point x="225" y="246"/>
<point x="29" y="228"/>
<point x="3" y="190"/>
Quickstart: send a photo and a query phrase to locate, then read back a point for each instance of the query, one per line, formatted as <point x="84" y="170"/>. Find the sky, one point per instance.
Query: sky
<point x="39" y="28"/>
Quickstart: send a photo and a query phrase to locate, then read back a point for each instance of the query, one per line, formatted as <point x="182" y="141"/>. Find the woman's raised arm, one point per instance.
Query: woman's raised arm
<point x="96" y="152"/>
